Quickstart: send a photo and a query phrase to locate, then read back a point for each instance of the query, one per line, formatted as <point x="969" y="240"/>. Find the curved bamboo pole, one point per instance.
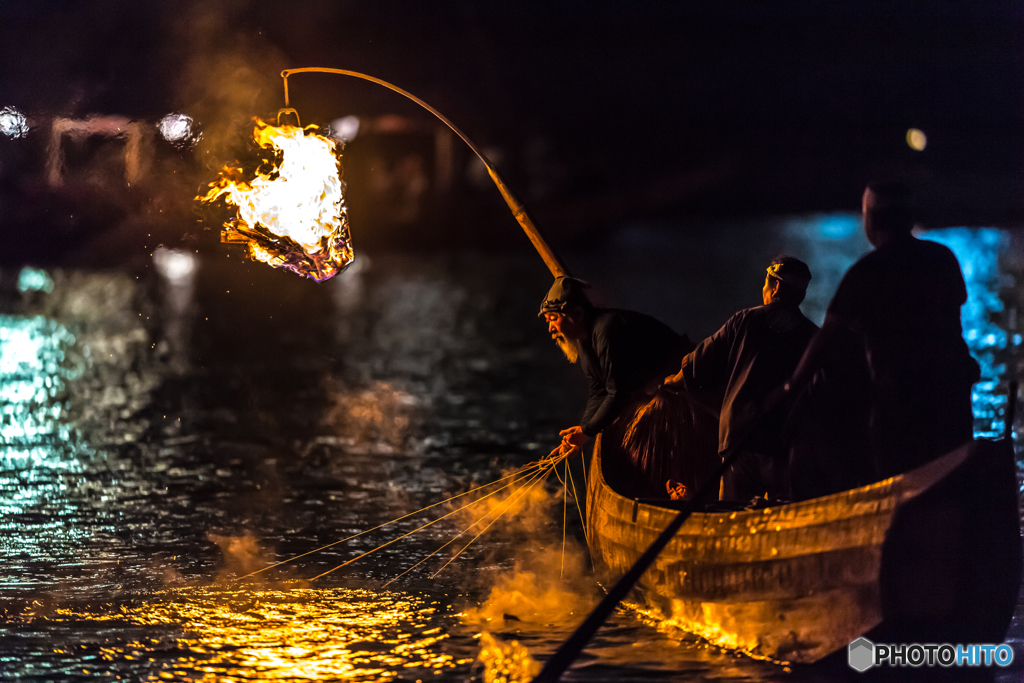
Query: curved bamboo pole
<point x="551" y="259"/>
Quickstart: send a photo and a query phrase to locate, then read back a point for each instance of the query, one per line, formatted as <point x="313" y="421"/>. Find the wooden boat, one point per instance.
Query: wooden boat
<point x="931" y="555"/>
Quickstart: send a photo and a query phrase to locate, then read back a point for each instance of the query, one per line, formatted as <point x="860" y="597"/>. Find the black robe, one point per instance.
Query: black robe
<point x="624" y="352"/>
<point x="742" y="363"/>
<point x="900" y="305"/>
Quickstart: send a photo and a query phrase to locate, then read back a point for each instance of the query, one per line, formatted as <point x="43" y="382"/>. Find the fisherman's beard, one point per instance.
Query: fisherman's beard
<point x="571" y="351"/>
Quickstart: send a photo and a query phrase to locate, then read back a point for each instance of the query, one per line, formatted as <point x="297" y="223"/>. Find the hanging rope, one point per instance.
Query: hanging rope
<point x="420" y="528"/>
<point x="522" y="492"/>
<point x="565" y="505"/>
<point x="575" y="496"/>
<point x="439" y="549"/>
<point x="525" y="468"/>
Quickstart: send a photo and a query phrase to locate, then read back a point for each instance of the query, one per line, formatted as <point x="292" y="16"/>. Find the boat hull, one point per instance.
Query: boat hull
<point x="903" y="558"/>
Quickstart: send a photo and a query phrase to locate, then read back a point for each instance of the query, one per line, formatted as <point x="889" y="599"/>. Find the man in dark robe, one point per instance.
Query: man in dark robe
<point x="896" y="314"/>
<point x="739" y="366"/>
<point x="622" y="353"/>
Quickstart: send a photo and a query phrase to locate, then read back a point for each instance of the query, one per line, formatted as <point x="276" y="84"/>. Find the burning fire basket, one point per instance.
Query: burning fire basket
<point x="292" y="215"/>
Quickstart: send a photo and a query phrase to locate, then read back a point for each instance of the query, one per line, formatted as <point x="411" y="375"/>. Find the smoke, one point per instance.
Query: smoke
<point x="550" y="586"/>
<point x="114" y="188"/>
<point x="170" y="576"/>
<point x="378" y="418"/>
<point x="524" y="509"/>
<point x="545" y="588"/>
<point x="227" y="76"/>
<point x="243" y="555"/>
<point x="550" y="580"/>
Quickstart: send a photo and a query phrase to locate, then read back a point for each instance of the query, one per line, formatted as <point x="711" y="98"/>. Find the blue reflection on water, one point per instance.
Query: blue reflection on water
<point x="977" y="249"/>
<point x="32" y="378"/>
<point x="34" y="433"/>
<point x="837" y="226"/>
<point x="831" y="243"/>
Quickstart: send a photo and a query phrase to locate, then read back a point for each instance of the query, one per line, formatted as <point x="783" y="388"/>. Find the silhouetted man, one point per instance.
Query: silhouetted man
<point x="896" y="314"/>
<point x="739" y="366"/>
<point x="621" y="353"/>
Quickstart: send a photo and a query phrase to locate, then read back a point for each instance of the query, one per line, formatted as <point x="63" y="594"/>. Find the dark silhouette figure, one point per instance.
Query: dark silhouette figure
<point x="739" y="366"/>
<point x="891" y="372"/>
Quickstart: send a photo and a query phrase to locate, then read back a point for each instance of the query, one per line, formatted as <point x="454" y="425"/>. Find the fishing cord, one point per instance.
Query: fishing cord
<point x="439" y="549"/>
<point x="569" y="480"/>
<point x="430" y="523"/>
<point x="583" y="521"/>
<point x="576" y="497"/>
<point x="522" y="492"/>
<point x="565" y="505"/>
<point x="538" y="478"/>
<point x="525" y="468"/>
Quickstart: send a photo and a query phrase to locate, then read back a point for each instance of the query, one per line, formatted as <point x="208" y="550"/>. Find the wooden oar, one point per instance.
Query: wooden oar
<point x="573" y="646"/>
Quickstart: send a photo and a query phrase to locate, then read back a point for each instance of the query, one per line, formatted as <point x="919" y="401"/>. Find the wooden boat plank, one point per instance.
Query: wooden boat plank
<point x="769" y="544"/>
<point x="794" y="582"/>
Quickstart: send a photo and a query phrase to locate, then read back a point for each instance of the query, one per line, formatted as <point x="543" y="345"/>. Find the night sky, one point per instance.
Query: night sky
<point x="666" y="110"/>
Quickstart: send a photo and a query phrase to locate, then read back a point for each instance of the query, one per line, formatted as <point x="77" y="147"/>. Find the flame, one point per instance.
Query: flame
<point x="292" y="215"/>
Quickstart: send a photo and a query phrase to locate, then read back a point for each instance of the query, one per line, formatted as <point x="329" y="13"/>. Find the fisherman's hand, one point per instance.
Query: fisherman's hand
<point x="574" y="435"/>
<point x="572" y="439"/>
<point x="563" y="449"/>
<point x="673" y="382"/>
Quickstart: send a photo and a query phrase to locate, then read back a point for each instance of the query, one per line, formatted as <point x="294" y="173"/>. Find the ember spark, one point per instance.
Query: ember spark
<point x="292" y="215"/>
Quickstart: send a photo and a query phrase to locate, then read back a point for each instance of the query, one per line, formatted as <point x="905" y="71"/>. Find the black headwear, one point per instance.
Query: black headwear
<point x="565" y="294"/>
<point x="790" y="270"/>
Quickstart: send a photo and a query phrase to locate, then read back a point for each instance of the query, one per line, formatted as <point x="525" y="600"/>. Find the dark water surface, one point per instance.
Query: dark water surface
<point x="166" y="430"/>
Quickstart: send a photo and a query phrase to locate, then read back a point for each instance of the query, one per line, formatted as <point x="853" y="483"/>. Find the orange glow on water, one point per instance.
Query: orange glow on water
<point x="506" y="662"/>
<point x="298" y="635"/>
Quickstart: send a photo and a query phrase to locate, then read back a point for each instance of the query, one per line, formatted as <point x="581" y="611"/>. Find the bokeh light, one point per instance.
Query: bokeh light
<point x="178" y="129"/>
<point x="345" y="129"/>
<point x="34" y="280"/>
<point x="916" y="139"/>
<point x="174" y="264"/>
<point x="13" y="123"/>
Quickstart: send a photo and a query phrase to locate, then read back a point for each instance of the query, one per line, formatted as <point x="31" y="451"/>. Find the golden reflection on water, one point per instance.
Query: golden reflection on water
<point x="296" y="635"/>
<point x="506" y="662"/>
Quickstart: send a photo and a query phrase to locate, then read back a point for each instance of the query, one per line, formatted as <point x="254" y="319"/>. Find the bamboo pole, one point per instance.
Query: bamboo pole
<point x="551" y="259"/>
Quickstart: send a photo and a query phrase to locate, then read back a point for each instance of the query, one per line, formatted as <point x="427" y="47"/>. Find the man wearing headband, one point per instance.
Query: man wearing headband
<point x="896" y="315"/>
<point x="736" y="369"/>
<point x="621" y="353"/>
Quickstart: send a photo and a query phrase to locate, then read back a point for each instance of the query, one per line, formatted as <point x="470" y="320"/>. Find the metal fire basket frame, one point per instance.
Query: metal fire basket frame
<point x="551" y="259"/>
